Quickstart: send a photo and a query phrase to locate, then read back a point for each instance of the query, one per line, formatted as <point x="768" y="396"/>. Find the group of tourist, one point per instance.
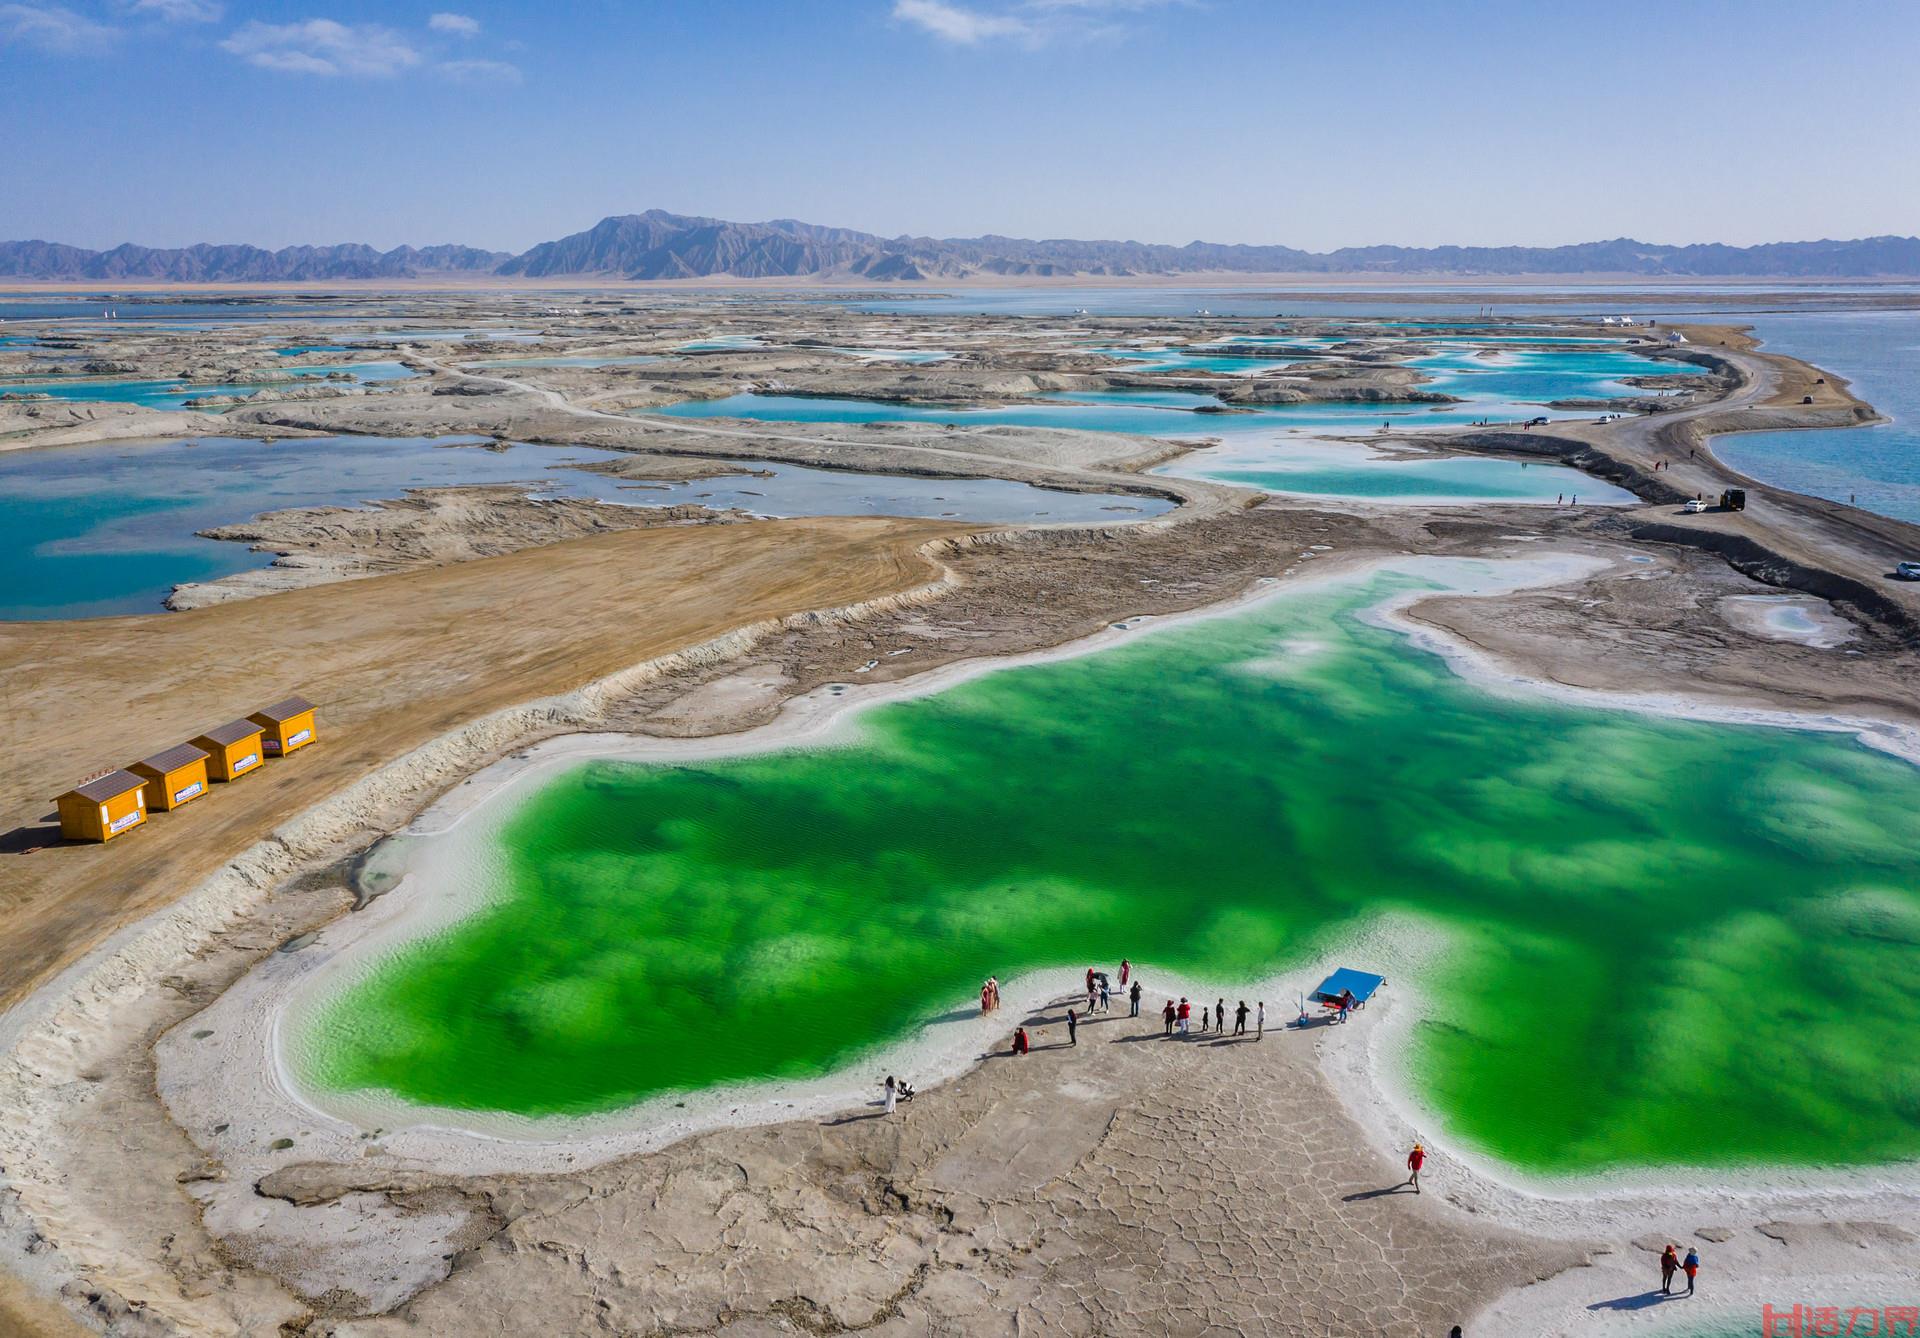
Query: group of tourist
<point x="1179" y="1017"/>
<point x="990" y="994"/>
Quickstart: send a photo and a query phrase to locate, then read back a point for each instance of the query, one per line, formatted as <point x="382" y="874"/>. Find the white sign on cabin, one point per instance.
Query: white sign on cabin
<point x="300" y="737"/>
<point x="181" y="796"/>
<point x="249" y="760"/>
<point x="128" y="821"/>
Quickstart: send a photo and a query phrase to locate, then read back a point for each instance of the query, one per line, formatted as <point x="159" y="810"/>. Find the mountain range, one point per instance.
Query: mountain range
<point x="660" y="245"/>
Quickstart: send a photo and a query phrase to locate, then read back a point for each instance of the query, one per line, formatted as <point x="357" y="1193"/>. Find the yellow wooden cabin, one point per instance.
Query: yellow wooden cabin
<point x="285" y="725"/>
<point x="232" y="749"/>
<point x="177" y="776"/>
<point x="102" y="808"/>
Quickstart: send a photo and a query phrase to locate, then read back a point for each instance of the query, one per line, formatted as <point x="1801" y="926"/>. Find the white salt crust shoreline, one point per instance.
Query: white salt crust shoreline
<point x="1363" y="1068"/>
<point x="821" y="720"/>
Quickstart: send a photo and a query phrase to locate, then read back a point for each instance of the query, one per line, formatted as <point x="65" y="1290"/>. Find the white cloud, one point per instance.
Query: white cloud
<point x="958" y="24"/>
<point x="180" y="11"/>
<point x="457" y="25"/>
<point x="1031" y="23"/>
<point x="323" y="47"/>
<point x="52" y="28"/>
<point x="479" y="71"/>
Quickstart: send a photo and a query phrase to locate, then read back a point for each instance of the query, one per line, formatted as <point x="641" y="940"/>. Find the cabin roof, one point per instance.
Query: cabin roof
<point x="285" y="710"/>
<point x="110" y="786"/>
<point x="180" y="755"/>
<point x="230" y="733"/>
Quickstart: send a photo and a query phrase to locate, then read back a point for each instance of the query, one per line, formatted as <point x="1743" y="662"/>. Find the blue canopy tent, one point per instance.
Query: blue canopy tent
<point x="1344" y="990"/>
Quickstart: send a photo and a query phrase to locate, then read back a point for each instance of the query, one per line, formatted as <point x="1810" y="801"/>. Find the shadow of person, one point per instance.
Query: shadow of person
<point x="1366" y="1194"/>
<point x="957" y="1015"/>
<point x="1638" y="1301"/>
<point x="854" y="1119"/>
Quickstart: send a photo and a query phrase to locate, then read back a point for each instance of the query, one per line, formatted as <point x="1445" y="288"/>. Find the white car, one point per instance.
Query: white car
<point x="1693" y="507"/>
<point x="1908" y="571"/>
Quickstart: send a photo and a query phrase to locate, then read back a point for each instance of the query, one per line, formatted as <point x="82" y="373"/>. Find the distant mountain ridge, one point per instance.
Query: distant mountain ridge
<point x="660" y="245"/>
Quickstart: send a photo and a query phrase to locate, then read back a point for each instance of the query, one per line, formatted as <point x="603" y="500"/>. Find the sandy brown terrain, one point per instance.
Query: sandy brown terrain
<point x="1125" y="1184"/>
<point x="392" y="663"/>
<point x="430" y="527"/>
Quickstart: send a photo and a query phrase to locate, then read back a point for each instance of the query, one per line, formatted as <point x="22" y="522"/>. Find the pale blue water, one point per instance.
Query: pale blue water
<point x="109" y="529"/>
<point x="1876" y="467"/>
<point x="1340" y="470"/>
<point x="173" y="394"/>
<point x="917" y="356"/>
<point x="87" y="306"/>
<point x="721" y="345"/>
<point x="1538" y="375"/>
<point x="1169" y="360"/>
<point x="445" y="336"/>
<point x="632" y="360"/>
<point x="1448" y="303"/>
<point x="1258" y="452"/>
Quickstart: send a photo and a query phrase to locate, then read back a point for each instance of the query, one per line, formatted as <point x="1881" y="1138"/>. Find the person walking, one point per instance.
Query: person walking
<point x="1133" y="996"/>
<point x="1669" y="1265"/>
<point x="1240" y="1019"/>
<point x="892" y="1092"/>
<point x="1260" y="1021"/>
<point x="1690" y="1266"/>
<point x="1168" y="1014"/>
<point x="1415" y="1160"/>
<point x="1073" y="1028"/>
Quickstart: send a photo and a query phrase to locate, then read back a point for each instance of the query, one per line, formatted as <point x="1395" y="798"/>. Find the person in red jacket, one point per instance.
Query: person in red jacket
<point x="1019" y="1040"/>
<point x="1415" y="1160"/>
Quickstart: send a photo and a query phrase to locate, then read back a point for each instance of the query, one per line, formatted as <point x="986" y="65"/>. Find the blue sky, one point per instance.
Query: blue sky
<point x="502" y="124"/>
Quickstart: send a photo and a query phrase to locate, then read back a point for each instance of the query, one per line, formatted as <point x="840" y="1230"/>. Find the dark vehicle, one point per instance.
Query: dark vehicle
<point x="1733" y="499"/>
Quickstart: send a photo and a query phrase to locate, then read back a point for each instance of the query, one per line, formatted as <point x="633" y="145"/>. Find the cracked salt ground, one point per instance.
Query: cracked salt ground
<point x="1128" y="1184"/>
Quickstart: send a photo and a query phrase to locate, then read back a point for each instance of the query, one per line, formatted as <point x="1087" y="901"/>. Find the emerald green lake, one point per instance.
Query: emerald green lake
<point x="1659" y="941"/>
